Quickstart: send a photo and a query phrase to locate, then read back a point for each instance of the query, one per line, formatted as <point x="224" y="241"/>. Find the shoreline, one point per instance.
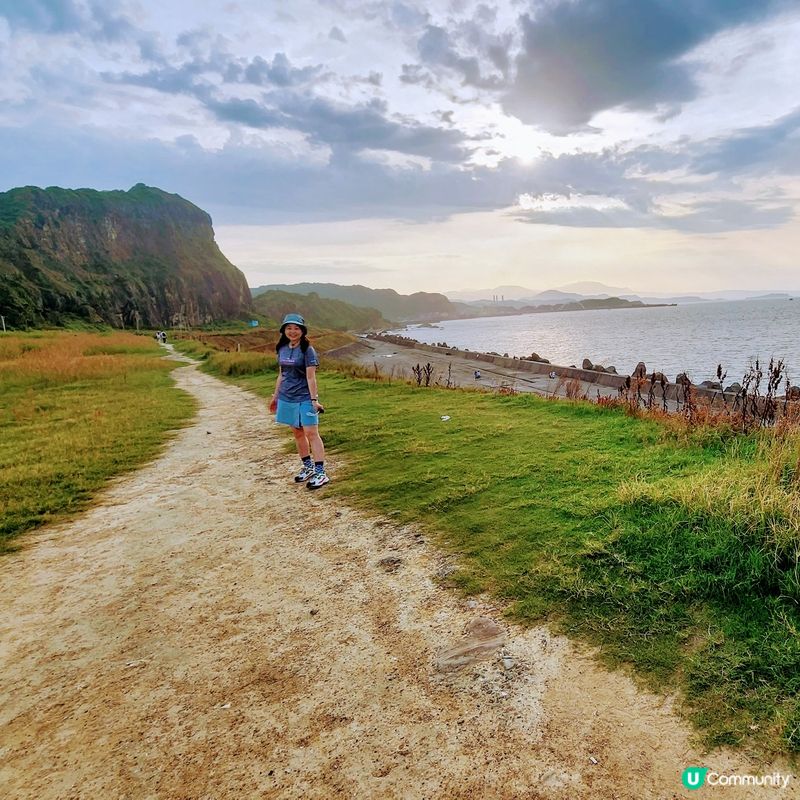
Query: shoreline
<point x="397" y="359"/>
<point x="397" y="355"/>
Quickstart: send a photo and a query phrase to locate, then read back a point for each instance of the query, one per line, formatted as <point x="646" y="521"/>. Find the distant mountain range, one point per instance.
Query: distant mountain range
<point x="430" y="307"/>
<point x="519" y="296"/>
<point x="420" y="306"/>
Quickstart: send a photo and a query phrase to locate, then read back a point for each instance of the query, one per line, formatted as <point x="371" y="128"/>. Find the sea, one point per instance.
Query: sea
<point x="692" y="338"/>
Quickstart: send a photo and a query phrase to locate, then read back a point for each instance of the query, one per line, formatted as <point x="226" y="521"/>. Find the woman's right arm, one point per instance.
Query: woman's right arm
<point x="273" y="401"/>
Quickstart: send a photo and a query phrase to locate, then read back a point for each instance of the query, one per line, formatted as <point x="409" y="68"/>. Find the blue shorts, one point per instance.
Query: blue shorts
<point x="298" y="415"/>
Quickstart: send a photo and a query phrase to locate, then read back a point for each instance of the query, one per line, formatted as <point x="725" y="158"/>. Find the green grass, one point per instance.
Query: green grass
<point x="615" y="530"/>
<point x="77" y="409"/>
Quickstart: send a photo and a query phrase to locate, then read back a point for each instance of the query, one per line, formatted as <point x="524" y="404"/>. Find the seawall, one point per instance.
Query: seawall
<point x="673" y="391"/>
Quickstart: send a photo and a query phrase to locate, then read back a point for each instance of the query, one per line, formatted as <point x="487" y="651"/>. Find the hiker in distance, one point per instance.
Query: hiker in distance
<point x="296" y="400"/>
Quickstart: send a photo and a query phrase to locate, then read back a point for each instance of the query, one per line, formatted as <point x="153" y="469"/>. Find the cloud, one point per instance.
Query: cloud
<point x="722" y="216"/>
<point x="278" y="72"/>
<point x="367" y="126"/>
<point x="407" y="16"/>
<point x="353" y="127"/>
<point x="468" y="50"/>
<point x="577" y="210"/>
<point x="414" y="74"/>
<point x="258" y="183"/>
<point x="771" y="147"/>
<point x="337" y="35"/>
<point x="46" y="16"/>
<point x="195" y="75"/>
<point x="93" y="19"/>
<point x="435" y="47"/>
<point x="579" y="57"/>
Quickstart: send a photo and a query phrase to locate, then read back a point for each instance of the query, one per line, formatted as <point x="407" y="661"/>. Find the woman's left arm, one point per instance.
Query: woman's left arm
<point x="311" y="378"/>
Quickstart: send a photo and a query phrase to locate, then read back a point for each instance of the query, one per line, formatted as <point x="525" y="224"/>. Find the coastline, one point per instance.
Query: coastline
<point x="397" y="359"/>
<point x="395" y="356"/>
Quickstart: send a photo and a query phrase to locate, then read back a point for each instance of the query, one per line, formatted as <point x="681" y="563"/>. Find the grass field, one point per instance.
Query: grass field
<point x="77" y="408"/>
<point x="675" y="550"/>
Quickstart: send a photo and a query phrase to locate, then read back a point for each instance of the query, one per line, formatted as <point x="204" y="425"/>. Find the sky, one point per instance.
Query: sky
<point x="431" y="146"/>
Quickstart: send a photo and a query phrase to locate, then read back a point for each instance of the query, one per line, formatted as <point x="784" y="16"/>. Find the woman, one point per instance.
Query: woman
<point x="296" y="400"/>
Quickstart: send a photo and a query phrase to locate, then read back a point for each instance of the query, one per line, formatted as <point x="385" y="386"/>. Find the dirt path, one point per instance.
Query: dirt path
<point x="211" y="630"/>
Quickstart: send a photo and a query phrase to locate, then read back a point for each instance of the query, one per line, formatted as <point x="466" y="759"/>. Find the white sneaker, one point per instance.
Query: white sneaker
<point x="319" y="479"/>
<point x="305" y="473"/>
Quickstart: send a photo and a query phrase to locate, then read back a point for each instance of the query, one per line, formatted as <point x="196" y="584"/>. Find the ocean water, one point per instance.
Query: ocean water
<point x="693" y="338"/>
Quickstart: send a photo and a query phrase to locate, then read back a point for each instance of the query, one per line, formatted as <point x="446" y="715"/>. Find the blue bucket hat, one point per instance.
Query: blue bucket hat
<point x="294" y="319"/>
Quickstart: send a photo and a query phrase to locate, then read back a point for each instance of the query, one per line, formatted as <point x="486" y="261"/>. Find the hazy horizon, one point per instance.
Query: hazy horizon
<point x="569" y="288"/>
<point x="431" y="146"/>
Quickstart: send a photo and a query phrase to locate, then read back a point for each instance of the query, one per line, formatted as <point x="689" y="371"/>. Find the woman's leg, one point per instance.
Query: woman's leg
<point x="314" y="442"/>
<point x="301" y="441"/>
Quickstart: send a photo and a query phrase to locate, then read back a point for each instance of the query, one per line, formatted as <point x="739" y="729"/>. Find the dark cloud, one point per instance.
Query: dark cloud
<point x="604" y="174"/>
<point x="184" y="79"/>
<point x="278" y="72"/>
<point x="436" y="48"/>
<point x="706" y="217"/>
<point x="367" y="126"/>
<point x="414" y="74"/>
<point x="585" y="218"/>
<point x="246" y="112"/>
<point x="580" y="57"/>
<point x="218" y="66"/>
<point x="408" y="17"/>
<point x="95" y="19"/>
<point x="768" y="148"/>
<point x="337" y="34"/>
<point x="46" y="16"/>
<point x="469" y="51"/>
<point x="343" y="127"/>
<point x="722" y="216"/>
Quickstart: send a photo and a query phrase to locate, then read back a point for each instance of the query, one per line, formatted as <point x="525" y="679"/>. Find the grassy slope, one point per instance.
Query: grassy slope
<point x="582" y="515"/>
<point x="327" y="313"/>
<point x="77" y="409"/>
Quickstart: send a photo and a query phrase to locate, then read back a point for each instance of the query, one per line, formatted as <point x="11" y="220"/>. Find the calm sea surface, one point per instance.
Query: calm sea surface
<point x="692" y="338"/>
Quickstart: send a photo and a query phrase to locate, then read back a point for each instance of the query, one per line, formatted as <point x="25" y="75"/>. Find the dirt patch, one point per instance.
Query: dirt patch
<point x="210" y="629"/>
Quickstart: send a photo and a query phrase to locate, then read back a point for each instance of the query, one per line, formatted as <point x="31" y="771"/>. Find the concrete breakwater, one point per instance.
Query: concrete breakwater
<point x="673" y="392"/>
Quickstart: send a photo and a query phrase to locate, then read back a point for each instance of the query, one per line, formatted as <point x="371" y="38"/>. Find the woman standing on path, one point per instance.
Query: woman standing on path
<point x="296" y="400"/>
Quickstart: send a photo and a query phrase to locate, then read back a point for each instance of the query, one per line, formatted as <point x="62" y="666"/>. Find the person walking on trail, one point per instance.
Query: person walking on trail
<point x="296" y="399"/>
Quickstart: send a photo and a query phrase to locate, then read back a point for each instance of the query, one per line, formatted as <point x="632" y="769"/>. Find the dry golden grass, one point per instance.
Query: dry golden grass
<point x="76" y="409"/>
<point x="62" y="357"/>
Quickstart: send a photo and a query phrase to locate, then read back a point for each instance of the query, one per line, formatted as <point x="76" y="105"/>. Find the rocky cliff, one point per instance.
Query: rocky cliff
<point x="141" y="258"/>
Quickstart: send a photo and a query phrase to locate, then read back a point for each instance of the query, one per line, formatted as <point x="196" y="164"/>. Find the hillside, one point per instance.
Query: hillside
<point x="141" y="258"/>
<point x="319" y="311"/>
<point x="420" y="306"/>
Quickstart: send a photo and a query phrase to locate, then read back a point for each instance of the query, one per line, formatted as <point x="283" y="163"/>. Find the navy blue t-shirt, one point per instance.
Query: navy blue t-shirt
<point x="293" y="362"/>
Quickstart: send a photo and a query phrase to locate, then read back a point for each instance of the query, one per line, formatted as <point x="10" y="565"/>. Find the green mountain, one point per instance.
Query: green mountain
<point x="420" y="306"/>
<point x="318" y="311"/>
<point x="137" y="258"/>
